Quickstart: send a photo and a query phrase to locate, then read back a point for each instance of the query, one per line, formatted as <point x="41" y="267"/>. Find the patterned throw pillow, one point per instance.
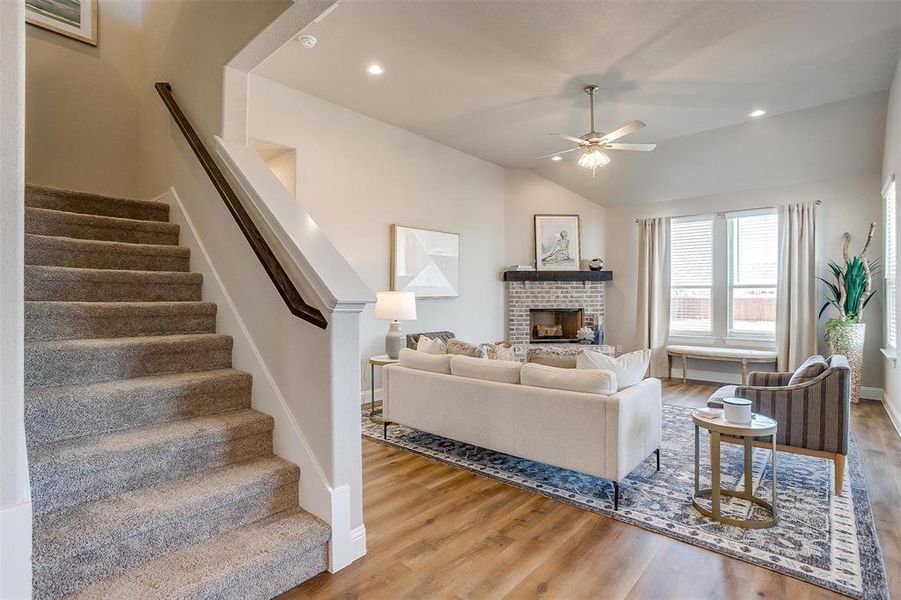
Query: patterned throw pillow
<point x="501" y="351"/>
<point x="455" y="346"/>
<point x="563" y="357"/>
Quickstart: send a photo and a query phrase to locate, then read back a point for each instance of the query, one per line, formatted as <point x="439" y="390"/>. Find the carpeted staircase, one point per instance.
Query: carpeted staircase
<point x="151" y="475"/>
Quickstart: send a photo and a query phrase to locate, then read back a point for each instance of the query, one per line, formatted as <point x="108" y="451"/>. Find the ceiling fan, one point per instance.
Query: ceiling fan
<point x="595" y="142"/>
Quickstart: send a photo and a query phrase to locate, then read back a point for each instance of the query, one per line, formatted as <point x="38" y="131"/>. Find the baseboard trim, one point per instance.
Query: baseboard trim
<point x="872" y="393"/>
<point x="15" y="550"/>
<point x="724" y="378"/>
<point x="892" y="413"/>
<point x="358" y="542"/>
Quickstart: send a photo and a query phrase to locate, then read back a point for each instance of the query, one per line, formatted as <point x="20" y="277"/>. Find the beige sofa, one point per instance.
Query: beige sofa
<point x="605" y="435"/>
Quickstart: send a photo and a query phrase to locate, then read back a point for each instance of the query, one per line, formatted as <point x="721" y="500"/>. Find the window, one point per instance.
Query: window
<point x="723" y="276"/>
<point x="691" y="276"/>
<point x="891" y="260"/>
<point x="754" y="268"/>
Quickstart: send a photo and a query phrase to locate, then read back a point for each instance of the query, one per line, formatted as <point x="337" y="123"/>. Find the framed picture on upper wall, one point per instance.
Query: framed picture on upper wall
<point x="557" y="240"/>
<point x="426" y="262"/>
<point x="76" y="19"/>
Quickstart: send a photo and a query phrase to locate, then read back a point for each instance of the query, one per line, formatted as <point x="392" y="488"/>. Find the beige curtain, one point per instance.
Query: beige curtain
<point x="796" y="317"/>
<point x="653" y="290"/>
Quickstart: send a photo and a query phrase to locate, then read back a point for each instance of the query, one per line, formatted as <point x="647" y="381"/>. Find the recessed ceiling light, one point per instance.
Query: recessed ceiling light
<point x="759" y="112"/>
<point x="375" y="69"/>
<point x="556" y="158"/>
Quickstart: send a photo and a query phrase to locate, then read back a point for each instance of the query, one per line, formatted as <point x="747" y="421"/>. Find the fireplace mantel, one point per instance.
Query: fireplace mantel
<point x="558" y="275"/>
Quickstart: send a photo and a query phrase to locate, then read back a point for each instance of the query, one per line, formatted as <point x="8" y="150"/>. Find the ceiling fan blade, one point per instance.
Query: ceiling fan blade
<point x="622" y="131"/>
<point x="637" y="147"/>
<point x="556" y="153"/>
<point x="579" y="141"/>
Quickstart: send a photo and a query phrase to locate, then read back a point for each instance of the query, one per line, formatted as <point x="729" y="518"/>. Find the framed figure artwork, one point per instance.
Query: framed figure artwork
<point x="557" y="242"/>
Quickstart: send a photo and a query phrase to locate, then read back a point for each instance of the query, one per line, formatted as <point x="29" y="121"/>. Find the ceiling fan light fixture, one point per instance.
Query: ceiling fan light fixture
<point x="593" y="159"/>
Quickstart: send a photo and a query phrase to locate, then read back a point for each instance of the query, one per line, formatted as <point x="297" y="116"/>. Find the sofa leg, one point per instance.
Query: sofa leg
<point x="615" y="495"/>
<point x="839" y="461"/>
<point x="385" y="431"/>
<point x="657" y="452"/>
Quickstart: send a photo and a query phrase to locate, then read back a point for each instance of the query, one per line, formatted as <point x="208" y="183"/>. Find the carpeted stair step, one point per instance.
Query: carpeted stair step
<point x="78" y="546"/>
<point x="95" y="204"/>
<point x="255" y="562"/>
<point x="84" y="320"/>
<point x="67" y="284"/>
<point x="69" y="472"/>
<point x="91" y="254"/>
<point x="43" y="221"/>
<point x="70" y="411"/>
<point x="73" y="362"/>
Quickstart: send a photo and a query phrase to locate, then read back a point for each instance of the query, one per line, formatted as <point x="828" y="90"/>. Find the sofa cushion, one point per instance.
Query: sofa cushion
<point x="629" y="368"/>
<point x="430" y="346"/>
<point x="481" y="368"/>
<point x="455" y="346"/>
<point x="592" y="381"/>
<point x="422" y="361"/>
<point x="716" y="399"/>
<point x="811" y="368"/>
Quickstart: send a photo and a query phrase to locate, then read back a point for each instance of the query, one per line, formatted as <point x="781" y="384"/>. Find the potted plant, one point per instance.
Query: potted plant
<point x="849" y="294"/>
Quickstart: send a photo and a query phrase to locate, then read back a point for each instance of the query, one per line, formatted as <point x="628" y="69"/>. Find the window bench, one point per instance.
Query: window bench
<point x="739" y="355"/>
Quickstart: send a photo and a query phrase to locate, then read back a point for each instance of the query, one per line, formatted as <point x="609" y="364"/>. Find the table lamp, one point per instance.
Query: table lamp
<point x="395" y="307"/>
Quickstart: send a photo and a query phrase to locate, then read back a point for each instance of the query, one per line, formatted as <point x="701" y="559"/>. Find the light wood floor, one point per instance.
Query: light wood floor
<point x="437" y="532"/>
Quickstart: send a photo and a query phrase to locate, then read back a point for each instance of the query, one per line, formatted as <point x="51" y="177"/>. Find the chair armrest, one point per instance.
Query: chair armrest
<point x="768" y="378"/>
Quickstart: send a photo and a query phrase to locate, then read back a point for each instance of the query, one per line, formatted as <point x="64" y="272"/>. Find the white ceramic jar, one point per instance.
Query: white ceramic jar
<point x="737" y="410"/>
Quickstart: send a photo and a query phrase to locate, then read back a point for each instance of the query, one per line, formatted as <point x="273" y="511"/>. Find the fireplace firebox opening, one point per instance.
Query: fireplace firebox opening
<point x="554" y="325"/>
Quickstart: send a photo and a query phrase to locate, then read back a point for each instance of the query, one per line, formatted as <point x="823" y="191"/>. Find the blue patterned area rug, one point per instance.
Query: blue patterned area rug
<point x="827" y="540"/>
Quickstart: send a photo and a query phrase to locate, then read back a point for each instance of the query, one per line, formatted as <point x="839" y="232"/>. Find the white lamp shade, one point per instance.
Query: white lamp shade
<point x="395" y="306"/>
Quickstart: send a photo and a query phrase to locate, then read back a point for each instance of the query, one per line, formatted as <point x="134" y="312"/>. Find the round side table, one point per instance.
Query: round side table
<point x="375" y="414"/>
<point x="760" y="426"/>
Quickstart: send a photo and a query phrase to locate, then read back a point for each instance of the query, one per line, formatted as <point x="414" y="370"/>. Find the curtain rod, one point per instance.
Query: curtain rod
<point x="817" y="202"/>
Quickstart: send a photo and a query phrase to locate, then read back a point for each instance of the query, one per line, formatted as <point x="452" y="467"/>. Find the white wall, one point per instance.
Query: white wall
<point x="82" y="115"/>
<point x="527" y="194"/>
<point x="891" y="165"/>
<point x="356" y="176"/>
<point x="15" y="495"/>
<point x="848" y="204"/>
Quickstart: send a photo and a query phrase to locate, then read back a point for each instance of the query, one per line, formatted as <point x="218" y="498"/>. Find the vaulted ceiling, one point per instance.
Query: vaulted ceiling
<point x="493" y="78"/>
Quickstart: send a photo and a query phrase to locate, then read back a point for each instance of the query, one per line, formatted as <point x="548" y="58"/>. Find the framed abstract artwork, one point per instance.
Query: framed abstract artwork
<point x="557" y="241"/>
<point x="425" y="262"/>
<point x="76" y="19"/>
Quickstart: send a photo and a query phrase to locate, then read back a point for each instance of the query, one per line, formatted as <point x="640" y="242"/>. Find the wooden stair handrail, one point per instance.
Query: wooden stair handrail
<point x="286" y="288"/>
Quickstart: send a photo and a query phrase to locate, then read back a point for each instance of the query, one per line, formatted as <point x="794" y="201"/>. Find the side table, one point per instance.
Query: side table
<point x="760" y="426"/>
<point x="376" y="414"/>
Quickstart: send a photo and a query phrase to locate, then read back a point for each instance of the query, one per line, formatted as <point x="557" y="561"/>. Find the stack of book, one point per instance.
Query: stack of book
<point x="521" y="268"/>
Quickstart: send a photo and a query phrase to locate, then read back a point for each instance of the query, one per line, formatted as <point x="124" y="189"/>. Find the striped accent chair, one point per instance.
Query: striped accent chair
<point x="813" y="414"/>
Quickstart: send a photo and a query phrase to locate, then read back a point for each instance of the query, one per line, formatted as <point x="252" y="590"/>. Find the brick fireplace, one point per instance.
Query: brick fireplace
<point x="554" y="303"/>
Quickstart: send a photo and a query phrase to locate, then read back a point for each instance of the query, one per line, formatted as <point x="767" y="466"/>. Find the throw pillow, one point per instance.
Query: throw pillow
<point x="503" y="371"/>
<point x="809" y="369"/>
<point x="629" y="368"/>
<point x="596" y="381"/>
<point x="422" y="361"/>
<point x="554" y="356"/>
<point x="501" y="351"/>
<point x="430" y="346"/>
<point x="455" y="346"/>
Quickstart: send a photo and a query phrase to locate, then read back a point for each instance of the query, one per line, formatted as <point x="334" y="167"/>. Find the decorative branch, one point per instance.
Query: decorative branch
<point x="846" y="237"/>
